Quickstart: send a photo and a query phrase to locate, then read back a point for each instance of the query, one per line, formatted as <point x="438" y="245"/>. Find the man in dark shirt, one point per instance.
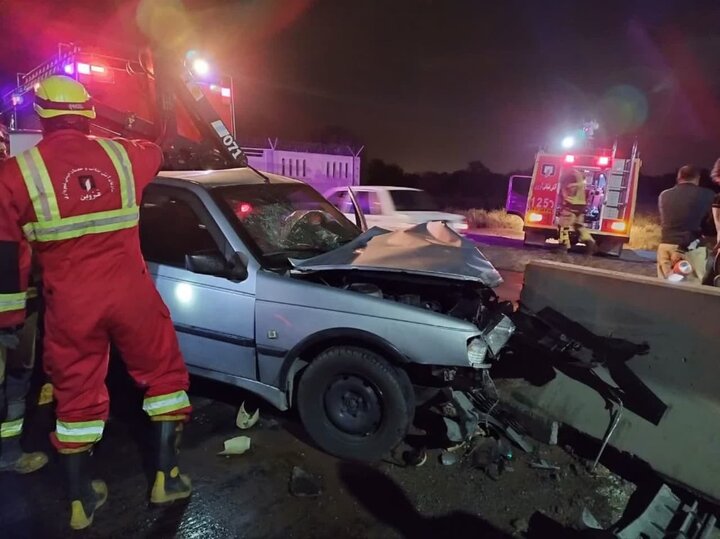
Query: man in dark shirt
<point x="715" y="175"/>
<point x="682" y="209"/>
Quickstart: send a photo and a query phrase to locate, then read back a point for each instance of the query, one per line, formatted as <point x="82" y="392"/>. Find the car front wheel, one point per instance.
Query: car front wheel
<point x="354" y="404"/>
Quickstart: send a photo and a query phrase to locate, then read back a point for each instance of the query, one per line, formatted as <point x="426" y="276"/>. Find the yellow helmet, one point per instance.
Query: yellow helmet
<point x="60" y="96"/>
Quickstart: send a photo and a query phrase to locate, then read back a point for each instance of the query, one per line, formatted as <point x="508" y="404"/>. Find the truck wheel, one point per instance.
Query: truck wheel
<point x="354" y="404"/>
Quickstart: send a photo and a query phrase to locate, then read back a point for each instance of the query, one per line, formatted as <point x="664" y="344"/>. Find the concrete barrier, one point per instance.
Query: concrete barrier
<point x="681" y="323"/>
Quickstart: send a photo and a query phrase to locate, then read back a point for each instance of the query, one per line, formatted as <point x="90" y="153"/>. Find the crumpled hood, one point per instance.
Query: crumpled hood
<point x="431" y="249"/>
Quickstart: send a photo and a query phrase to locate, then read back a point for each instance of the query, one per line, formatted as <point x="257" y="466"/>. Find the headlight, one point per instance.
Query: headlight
<point x="497" y="337"/>
<point x="476" y="353"/>
<point x="493" y="339"/>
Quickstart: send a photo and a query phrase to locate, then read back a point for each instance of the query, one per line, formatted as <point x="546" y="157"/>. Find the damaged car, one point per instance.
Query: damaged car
<point x="273" y="290"/>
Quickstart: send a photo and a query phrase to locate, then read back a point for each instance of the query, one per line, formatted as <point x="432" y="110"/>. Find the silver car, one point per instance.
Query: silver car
<point x="273" y="290"/>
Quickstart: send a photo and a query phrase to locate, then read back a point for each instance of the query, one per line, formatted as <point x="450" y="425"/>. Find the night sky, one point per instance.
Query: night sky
<point x="433" y="84"/>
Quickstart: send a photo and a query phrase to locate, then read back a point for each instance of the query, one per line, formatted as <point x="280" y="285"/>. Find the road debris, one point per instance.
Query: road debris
<point x="448" y="458"/>
<point x="236" y="446"/>
<point x="542" y="464"/>
<point x="304" y="485"/>
<point x="415" y="457"/>
<point x="244" y="420"/>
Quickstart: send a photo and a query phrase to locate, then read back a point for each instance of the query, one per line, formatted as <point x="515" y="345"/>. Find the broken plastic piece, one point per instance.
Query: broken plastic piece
<point x="244" y="420"/>
<point x="542" y="464"/>
<point x="236" y="446"/>
<point x="448" y="458"/>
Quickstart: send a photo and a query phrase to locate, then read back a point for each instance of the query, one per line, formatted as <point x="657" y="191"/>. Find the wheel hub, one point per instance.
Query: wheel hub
<point x="353" y="405"/>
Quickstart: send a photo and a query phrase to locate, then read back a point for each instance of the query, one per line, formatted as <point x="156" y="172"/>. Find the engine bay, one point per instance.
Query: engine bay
<point x="468" y="301"/>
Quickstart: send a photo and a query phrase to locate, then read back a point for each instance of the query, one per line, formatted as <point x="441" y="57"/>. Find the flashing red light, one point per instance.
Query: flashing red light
<point x="69" y="69"/>
<point x="618" y="226"/>
<point x="83" y="69"/>
<point x="569" y="158"/>
<point x="603" y="161"/>
<point x="225" y="92"/>
<point x="97" y="69"/>
<point x="243" y="209"/>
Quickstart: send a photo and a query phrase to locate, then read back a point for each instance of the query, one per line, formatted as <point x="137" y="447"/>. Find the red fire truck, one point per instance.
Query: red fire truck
<point x="611" y="190"/>
<point x="176" y="101"/>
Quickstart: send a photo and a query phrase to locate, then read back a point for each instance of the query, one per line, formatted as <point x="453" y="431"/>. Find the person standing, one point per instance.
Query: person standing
<point x="76" y="198"/>
<point x="572" y="211"/>
<point x="682" y="210"/>
<point x="17" y="361"/>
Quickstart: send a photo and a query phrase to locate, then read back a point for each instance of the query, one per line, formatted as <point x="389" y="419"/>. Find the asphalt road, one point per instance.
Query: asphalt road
<point x="249" y="495"/>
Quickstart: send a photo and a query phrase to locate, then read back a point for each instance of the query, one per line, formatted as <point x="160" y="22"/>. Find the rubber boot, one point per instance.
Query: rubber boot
<point x="86" y="495"/>
<point x="564" y="239"/>
<point x="14" y="459"/>
<point x="170" y="485"/>
<point x="588" y="240"/>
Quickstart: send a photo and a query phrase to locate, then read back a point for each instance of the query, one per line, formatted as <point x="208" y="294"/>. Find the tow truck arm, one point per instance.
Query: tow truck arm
<point x="175" y="85"/>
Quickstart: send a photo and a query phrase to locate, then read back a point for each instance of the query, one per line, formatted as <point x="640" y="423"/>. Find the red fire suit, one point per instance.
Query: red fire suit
<point x="76" y="198"/>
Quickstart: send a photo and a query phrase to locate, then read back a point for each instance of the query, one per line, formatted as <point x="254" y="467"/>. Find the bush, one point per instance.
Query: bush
<point x="645" y="232"/>
<point x="497" y="219"/>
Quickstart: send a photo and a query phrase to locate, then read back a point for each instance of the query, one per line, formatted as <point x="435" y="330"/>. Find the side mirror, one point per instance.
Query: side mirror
<point x="213" y="263"/>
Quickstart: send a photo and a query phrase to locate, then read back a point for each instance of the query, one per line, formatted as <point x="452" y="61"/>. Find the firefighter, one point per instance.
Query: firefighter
<point x="17" y="360"/>
<point x="572" y="211"/>
<point x="76" y="198"/>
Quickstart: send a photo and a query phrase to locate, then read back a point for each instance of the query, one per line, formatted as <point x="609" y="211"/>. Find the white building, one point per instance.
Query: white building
<point x="322" y="166"/>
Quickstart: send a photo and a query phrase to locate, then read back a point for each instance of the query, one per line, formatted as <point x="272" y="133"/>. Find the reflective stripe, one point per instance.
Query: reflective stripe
<point x="79" y="431"/>
<point x="12" y="302"/>
<point x="50" y="226"/>
<point x="163" y="404"/>
<point x="121" y="160"/>
<point x="8" y="429"/>
<point x="39" y="185"/>
<point x="81" y="225"/>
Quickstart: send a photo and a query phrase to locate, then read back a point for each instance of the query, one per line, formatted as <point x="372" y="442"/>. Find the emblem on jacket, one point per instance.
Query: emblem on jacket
<point x="87" y="184"/>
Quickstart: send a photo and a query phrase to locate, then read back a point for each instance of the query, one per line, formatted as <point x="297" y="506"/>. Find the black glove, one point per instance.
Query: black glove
<point x="9" y="337"/>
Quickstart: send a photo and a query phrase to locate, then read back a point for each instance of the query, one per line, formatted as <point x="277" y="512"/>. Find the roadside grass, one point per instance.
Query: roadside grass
<point x="645" y="232"/>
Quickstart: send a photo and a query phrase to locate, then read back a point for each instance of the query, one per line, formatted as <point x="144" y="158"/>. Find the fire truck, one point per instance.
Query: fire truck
<point x="611" y="181"/>
<point x="178" y="102"/>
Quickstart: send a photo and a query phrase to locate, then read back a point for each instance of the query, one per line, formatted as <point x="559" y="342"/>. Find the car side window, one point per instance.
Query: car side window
<point x="375" y="205"/>
<point x="341" y="200"/>
<point x="170" y="229"/>
<point x="363" y="198"/>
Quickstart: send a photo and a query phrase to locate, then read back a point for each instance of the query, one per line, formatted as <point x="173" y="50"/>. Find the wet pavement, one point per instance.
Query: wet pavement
<point x="249" y="495"/>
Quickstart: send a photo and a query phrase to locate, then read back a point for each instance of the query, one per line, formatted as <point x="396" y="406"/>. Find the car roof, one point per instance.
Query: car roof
<point x="231" y="176"/>
<point x="377" y="188"/>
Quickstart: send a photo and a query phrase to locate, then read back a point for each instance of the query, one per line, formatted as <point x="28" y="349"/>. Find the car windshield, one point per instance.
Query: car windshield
<point x="407" y="200"/>
<point x="282" y="221"/>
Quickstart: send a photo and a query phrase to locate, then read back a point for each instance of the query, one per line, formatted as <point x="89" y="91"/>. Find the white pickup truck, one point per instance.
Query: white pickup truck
<point x="394" y="208"/>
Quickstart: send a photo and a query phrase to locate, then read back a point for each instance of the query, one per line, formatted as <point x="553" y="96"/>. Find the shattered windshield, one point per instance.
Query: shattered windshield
<point x="285" y="220"/>
<point x="408" y="200"/>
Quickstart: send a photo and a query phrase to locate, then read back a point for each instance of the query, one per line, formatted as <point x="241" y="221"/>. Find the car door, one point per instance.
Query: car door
<point x="213" y="315"/>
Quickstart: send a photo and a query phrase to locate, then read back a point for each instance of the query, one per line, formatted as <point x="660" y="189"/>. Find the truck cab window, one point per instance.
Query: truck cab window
<point x="171" y="229"/>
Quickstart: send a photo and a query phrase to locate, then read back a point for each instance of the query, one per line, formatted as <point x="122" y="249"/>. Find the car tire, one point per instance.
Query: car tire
<point x="354" y="404"/>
